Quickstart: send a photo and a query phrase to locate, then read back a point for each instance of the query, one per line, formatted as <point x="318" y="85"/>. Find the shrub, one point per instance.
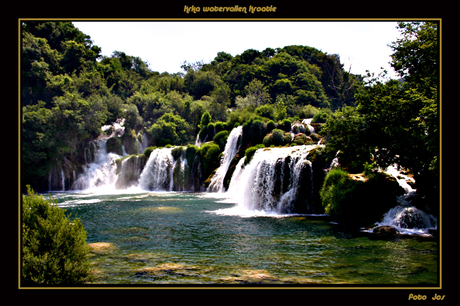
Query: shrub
<point x="278" y="137"/>
<point x="113" y="145"/>
<point x="266" y="111"/>
<point x="220" y="126"/>
<point x="249" y="153"/>
<point x="358" y="203"/>
<point x="302" y="139"/>
<point x="285" y="125"/>
<point x="287" y="138"/>
<point x="221" y="139"/>
<point x="54" y="249"/>
<point x="268" y="140"/>
<point x="315" y="136"/>
<point x="308" y="111"/>
<point x="253" y="131"/>
<point x="190" y="153"/>
<point x="320" y="117"/>
<point x="209" y="153"/>
<point x="211" y="130"/>
<point x="148" y="151"/>
<point x="271" y="125"/>
<point x="177" y="152"/>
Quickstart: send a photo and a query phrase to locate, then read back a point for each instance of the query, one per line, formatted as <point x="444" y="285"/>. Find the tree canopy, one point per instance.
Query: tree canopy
<point x="69" y="90"/>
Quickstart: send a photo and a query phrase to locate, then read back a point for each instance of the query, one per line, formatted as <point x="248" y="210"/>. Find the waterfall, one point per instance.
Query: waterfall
<point x="231" y="148"/>
<point x="277" y="180"/>
<point x="157" y="173"/>
<point x="307" y="122"/>
<point x="198" y="141"/>
<point x="402" y="179"/>
<point x="100" y="172"/>
<point x="405" y="217"/>
<point x="409" y="220"/>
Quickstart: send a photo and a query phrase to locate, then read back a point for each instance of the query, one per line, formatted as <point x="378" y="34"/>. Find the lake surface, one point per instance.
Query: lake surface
<point x="140" y="237"/>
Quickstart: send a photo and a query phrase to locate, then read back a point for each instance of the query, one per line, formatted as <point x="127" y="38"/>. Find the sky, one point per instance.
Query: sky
<point x="166" y="45"/>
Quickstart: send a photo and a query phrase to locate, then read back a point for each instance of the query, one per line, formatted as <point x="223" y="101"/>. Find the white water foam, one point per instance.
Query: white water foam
<point x="260" y="188"/>
<point x="231" y="148"/>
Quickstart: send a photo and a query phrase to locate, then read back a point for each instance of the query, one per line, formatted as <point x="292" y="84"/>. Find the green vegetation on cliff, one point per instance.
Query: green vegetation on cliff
<point x="68" y="91"/>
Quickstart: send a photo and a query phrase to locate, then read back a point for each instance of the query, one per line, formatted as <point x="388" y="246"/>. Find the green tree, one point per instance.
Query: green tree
<point x="258" y="93"/>
<point x="280" y="110"/>
<point x="54" y="249"/>
<point x="416" y="55"/>
<point x="169" y="129"/>
<point x="205" y="119"/>
<point x="397" y="122"/>
<point x="350" y="135"/>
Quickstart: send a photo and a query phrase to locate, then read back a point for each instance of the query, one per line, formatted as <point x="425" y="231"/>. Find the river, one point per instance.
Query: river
<point x="142" y="237"/>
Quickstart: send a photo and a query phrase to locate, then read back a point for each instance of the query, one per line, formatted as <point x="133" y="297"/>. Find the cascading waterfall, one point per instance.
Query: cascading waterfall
<point x="157" y="173"/>
<point x="100" y="169"/>
<point x="277" y="180"/>
<point x="100" y="172"/>
<point x="405" y="217"/>
<point x="307" y="122"/>
<point x="231" y="148"/>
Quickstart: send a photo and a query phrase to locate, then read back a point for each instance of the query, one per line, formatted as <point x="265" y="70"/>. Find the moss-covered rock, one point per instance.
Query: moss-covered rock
<point x="114" y="146"/>
<point x="129" y="170"/>
<point x="302" y="139"/>
<point x="129" y="141"/>
<point x="358" y="202"/>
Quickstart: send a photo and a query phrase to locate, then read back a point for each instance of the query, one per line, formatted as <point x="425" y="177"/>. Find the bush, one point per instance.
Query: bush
<point x="278" y="137"/>
<point x="358" y="203"/>
<point x="211" y="130"/>
<point x="148" y="151"/>
<point x="253" y="131"/>
<point x="177" y="152"/>
<point x="268" y="140"/>
<point x="249" y="153"/>
<point x="220" y="126"/>
<point x="315" y="136"/>
<point x="209" y="153"/>
<point x="266" y="111"/>
<point x="221" y="139"/>
<point x="271" y="125"/>
<point x="54" y="249"/>
<point x="302" y="139"/>
<point x="308" y="111"/>
<point x="190" y="153"/>
<point x="320" y="117"/>
<point x="285" y="125"/>
<point x="113" y="145"/>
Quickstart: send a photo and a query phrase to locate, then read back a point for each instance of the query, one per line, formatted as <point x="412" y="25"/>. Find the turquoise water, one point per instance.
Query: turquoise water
<point x="178" y="238"/>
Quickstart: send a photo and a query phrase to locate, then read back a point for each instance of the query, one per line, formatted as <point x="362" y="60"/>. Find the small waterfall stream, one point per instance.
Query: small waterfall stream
<point x="231" y="148"/>
<point x="405" y="217"/>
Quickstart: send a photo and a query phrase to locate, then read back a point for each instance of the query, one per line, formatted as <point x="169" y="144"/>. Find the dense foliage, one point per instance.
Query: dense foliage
<point x="69" y="91"/>
<point x="396" y="121"/>
<point x="54" y="249"/>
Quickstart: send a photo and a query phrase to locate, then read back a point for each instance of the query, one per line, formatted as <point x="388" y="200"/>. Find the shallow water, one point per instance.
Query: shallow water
<point x="140" y="237"/>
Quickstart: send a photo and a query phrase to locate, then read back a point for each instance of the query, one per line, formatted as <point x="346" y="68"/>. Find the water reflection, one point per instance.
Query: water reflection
<point x="172" y="238"/>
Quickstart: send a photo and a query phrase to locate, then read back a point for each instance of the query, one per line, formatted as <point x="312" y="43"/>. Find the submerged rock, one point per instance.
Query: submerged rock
<point x="385" y="230"/>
